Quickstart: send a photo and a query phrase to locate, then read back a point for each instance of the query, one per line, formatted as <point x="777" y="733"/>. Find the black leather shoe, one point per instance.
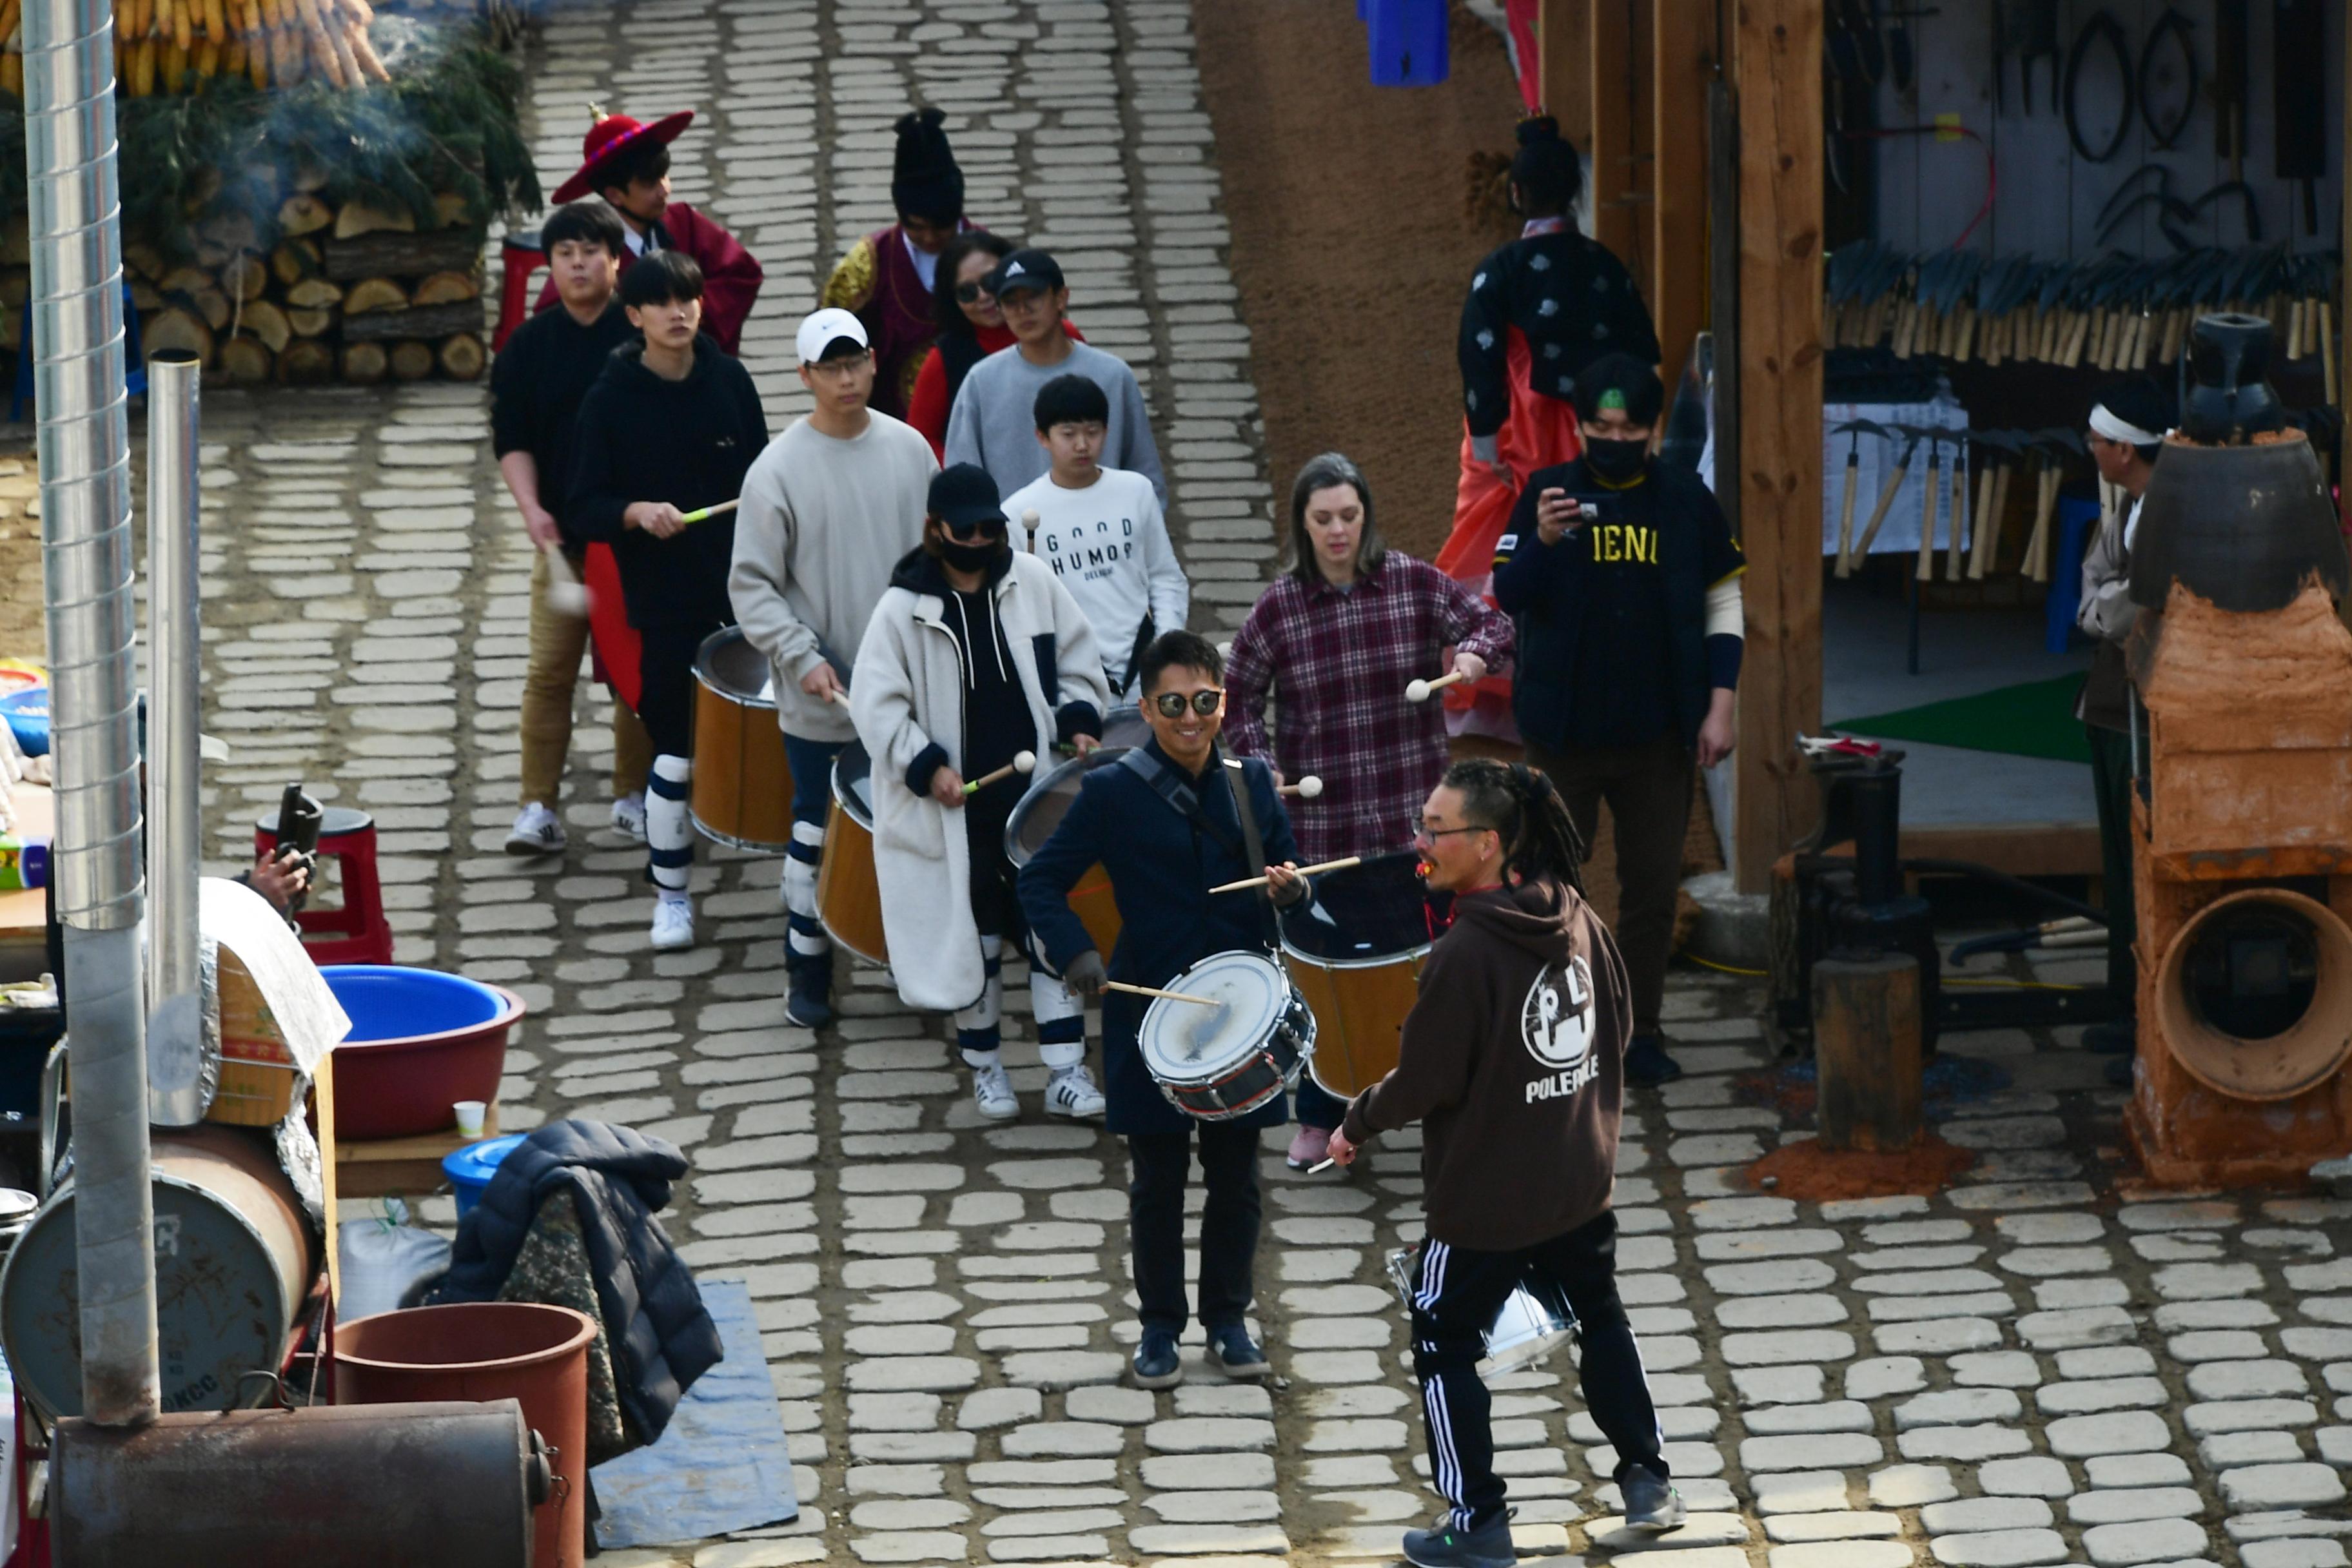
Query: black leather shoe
<point x="1647" y="1064"/>
<point x="1156" y="1364"/>
<point x="1231" y="1352"/>
<point x="809" y="1002"/>
<point x="1447" y="1545"/>
<point x="1651" y="1501"/>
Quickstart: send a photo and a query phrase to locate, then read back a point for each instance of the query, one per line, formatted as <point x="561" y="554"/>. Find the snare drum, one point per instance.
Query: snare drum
<point x="1354" y="953"/>
<point x="1049" y="800"/>
<point x="742" y="790"/>
<point x="848" y="899"/>
<point x="1534" y="1320"/>
<point x="1218" y="1063"/>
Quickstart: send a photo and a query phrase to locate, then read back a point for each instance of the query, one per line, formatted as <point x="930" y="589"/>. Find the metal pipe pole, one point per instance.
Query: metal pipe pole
<point x="84" y="445"/>
<point x="175" y="1063"/>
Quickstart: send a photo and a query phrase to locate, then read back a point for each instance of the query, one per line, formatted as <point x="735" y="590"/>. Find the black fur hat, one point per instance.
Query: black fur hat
<point x="924" y="179"/>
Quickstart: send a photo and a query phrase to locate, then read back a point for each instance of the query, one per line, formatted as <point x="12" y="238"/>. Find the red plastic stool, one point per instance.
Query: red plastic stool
<point x="357" y="930"/>
<point x="524" y="256"/>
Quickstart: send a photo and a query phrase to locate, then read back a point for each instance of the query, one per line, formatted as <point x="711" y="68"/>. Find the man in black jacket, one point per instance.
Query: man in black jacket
<point x="537" y="385"/>
<point x="1623" y="579"/>
<point x="669" y="429"/>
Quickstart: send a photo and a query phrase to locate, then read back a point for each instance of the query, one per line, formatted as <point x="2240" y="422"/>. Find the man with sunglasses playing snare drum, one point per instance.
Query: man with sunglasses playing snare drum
<point x="975" y="657"/>
<point x="1165" y="824"/>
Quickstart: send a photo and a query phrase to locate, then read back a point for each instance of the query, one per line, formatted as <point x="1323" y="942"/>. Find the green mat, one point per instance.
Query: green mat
<point x="2035" y="720"/>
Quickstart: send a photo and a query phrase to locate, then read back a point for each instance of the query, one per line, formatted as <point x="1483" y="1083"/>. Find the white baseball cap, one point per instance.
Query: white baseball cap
<point x="823" y="328"/>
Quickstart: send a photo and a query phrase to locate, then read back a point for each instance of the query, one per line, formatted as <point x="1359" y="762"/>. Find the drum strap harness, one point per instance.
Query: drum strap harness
<point x="1186" y="804"/>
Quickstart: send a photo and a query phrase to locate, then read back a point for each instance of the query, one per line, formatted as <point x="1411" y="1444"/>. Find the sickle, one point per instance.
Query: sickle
<point x="2101" y="27"/>
<point x="2162" y="135"/>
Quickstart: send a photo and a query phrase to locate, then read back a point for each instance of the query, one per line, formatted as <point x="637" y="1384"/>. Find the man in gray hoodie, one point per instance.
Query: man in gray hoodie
<point x="828" y="509"/>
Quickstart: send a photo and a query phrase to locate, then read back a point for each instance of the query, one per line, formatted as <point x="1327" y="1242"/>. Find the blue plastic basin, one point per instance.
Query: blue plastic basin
<point x="420" y="1041"/>
<point x="469" y="1170"/>
<point x="27" y="713"/>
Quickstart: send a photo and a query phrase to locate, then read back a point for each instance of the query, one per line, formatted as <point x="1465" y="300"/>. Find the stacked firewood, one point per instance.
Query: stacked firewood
<point x="358" y="294"/>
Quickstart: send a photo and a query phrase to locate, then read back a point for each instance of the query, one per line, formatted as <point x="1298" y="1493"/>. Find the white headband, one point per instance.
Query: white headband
<point x="2115" y="429"/>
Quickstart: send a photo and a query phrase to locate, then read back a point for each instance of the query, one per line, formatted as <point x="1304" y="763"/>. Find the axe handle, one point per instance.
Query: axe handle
<point x="1877" y="515"/>
<point x="1980" y="529"/>
<point x="1928" y="516"/>
<point x="1960" y="510"/>
<point x="1845" y="514"/>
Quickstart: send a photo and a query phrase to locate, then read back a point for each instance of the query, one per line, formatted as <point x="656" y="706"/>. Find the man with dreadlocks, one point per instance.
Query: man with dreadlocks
<point x="1514" y="1059"/>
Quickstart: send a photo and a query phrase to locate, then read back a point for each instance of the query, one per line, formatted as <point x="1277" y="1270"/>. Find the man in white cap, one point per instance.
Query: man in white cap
<point x="828" y="509"/>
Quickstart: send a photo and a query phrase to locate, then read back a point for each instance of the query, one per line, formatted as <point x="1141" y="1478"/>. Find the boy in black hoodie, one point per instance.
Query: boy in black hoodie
<point x="669" y="429"/>
<point x="1513" y="1059"/>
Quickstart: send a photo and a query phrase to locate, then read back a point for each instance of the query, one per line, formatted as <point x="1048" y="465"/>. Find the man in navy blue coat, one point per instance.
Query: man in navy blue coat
<point x="1163" y="863"/>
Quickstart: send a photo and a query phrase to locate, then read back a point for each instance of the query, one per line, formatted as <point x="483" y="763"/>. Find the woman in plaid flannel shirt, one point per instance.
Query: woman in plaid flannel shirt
<point x="1337" y="639"/>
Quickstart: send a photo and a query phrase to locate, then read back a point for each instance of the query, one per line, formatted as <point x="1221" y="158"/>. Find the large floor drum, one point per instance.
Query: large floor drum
<point x="742" y="790"/>
<point x="848" y="899"/>
<point x="1356" y="955"/>
<point x="1049" y="800"/>
<point x="233" y="1266"/>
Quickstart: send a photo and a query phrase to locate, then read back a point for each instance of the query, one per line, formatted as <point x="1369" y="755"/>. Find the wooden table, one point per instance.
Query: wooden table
<point x="408" y="1167"/>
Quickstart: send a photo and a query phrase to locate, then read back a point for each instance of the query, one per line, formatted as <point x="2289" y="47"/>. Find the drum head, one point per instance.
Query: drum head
<point x="1125" y="726"/>
<point x="852" y="783"/>
<point x="1369" y="913"/>
<point x="1184" y="1042"/>
<point x="729" y="664"/>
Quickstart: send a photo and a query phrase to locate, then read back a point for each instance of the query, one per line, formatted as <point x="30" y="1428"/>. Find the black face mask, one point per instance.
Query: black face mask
<point x="1619" y="462"/>
<point x="971" y="557"/>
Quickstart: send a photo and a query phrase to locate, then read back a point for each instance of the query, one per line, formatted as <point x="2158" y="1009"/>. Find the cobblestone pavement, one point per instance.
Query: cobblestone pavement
<point x="2031" y="1368"/>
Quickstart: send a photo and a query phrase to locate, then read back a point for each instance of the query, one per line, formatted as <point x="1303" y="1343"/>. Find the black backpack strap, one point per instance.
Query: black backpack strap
<point x="1179" y="796"/>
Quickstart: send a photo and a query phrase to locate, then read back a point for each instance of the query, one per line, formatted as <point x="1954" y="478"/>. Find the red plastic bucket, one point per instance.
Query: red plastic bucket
<point x="487" y="1350"/>
<point x="420" y="1042"/>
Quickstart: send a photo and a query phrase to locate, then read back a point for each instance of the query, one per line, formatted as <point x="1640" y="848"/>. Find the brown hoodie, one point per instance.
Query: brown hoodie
<point x="1514" y="1057"/>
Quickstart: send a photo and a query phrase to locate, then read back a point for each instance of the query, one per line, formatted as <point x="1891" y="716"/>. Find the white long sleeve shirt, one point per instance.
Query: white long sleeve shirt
<point x="1108" y="545"/>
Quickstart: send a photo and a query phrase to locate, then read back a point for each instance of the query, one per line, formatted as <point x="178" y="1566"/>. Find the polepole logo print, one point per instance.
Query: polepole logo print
<point x="1555" y="1023"/>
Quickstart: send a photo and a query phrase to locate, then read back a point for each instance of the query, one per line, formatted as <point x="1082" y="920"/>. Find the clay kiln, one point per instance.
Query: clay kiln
<point x="2243" y="815"/>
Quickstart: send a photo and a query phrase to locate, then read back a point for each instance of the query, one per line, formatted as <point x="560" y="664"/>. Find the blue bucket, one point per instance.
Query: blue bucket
<point x="27" y="713"/>
<point x="469" y="1169"/>
<point x="394" y="1002"/>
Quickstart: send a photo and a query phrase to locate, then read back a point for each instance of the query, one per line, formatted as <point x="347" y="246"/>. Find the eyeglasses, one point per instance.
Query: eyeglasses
<point x="1424" y="834"/>
<point x="841" y="368"/>
<point x="984" y="528"/>
<point x="971" y="293"/>
<point x="1205" y="702"/>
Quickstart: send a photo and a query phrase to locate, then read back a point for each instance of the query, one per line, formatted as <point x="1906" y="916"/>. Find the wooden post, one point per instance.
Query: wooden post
<point x="1611" y="57"/>
<point x="1776" y="61"/>
<point x="1562" y="28"/>
<point x="1683" y="60"/>
<point x="1866" y="1052"/>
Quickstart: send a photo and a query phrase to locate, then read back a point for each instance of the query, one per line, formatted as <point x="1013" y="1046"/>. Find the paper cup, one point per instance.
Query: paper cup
<point x="469" y="1118"/>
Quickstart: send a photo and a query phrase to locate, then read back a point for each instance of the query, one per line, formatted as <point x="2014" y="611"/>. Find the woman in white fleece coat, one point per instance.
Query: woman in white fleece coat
<point x="974" y="653"/>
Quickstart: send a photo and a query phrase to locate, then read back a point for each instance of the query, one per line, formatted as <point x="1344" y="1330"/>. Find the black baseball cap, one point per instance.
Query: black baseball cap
<point x="1025" y="269"/>
<point x="964" y="495"/>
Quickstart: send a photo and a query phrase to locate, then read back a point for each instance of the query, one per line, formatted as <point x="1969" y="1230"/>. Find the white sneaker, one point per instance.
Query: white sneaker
<point x="992" y="1090"/>
<point x="673" y="925"/>
<point x="1072" y="1092"/>
<point x="629" y="816"/>
<point x="536" y="831"/>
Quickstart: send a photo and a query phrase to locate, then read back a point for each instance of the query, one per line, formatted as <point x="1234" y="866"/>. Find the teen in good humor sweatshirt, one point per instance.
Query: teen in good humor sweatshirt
<point x="1513" y="1059"/>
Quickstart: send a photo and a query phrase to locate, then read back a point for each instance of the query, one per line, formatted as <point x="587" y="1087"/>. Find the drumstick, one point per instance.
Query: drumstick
<point x="1155" y="991"/>
<point x="565" y="595"/>
<point x="1306" y="788"/>
<point x="1029" y="521"/>
<point x="1021" y="763"/>
<point x="1419" y="690"/>
<point x="710" y="511"/>
<point x="1247" y="882"/>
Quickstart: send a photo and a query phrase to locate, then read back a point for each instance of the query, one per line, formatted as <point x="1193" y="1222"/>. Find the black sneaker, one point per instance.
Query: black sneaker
<point x="1447" y="1545"/>
<point x="1651" y="1502"/>
<point x="1156" y="1362"/>
<point x="809" y="1003"/>
<point x="1647" y="1064"/>
<point x="1231" y="1352"/>
<point x="2114" y="1037"/>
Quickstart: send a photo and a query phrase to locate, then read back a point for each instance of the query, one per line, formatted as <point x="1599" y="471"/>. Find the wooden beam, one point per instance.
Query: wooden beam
<point x="1777" y="68"/>
<point x="1562" y="28"/>
<point x="1615" y="70"/>
<point x="1683" y="68"/>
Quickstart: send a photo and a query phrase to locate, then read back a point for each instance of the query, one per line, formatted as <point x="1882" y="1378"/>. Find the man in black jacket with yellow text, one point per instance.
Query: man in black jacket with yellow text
<point x="1513" y="1059"/>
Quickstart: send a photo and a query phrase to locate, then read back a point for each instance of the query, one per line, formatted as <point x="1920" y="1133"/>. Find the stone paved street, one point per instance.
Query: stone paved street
<point x="2035" y="1367"/>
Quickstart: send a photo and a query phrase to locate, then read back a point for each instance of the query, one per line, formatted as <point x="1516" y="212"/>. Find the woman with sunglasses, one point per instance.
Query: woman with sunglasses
<point x="975" y="655"/>
<point x="970" y="328"/>
<point x="1336" y="640"/>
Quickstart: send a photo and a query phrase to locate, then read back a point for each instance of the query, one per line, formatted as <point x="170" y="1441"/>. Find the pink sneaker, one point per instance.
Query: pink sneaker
<point x="1310" y="1147"/>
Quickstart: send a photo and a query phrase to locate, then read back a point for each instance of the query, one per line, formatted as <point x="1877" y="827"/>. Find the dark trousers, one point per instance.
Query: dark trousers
<point x="1159" y="1164"/>
<point x="1456" y="1298"/>
<point x="665" y="681"/>
<point x="2111" y="781"/>
<point x="1648" y="791"/>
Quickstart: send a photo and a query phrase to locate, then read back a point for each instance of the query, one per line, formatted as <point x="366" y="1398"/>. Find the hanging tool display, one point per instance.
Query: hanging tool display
<point x="1885" y="500"/>
<point x="1856" y="429"/>
<point x="2027" y="30"/>
<point x="2102" y="28"/>
<point x="1975" y="528"/>
<point x="2231" y="26"/>
<point x="2299" y="98"/>
<point x="2162" y="81"/>
<point x="2114" y="312"/>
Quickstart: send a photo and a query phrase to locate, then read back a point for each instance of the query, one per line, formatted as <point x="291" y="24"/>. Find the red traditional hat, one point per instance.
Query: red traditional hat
<point x="610" y="136"/>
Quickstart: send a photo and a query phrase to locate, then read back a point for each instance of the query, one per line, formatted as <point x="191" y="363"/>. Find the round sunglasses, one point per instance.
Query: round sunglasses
<point x="1205" y="702"/>
<point x="969" y="293"/>
<point x="983" y="527"/>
